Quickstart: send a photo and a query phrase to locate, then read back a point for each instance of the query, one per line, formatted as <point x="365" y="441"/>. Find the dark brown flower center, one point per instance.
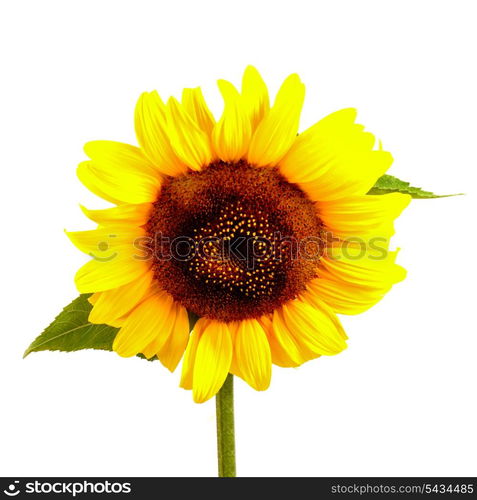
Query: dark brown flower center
<point x="234" y="241"/>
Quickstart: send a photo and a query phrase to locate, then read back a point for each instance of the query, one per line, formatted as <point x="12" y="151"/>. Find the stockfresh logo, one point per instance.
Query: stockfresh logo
<point x="13" y="489"/>
<point x="72" y="488"/>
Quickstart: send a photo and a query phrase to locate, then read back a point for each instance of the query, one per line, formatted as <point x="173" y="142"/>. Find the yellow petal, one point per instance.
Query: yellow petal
<point x="290" y="350"/>
<point x="119" y="268"/>
<point x="117" y="156"/>
<point x="190" y="143"/>
<point x="277" y="131"/>
<point x="92" y="299"/>
<point x="335" y="158"/>
<point x="115" y="303"/>
<point x="351" y="286"/>
<point x="158" y="342"/>
<point x="92" y="180"/>
<point x="187" y="375"/>
<point x="364" y="216"/>
<point x="316" y="328"/>
<point x="212" y="361"/>
<point x="255" y="96"/>
<point x="147" y="322"/>
<point x="134" y="214"/>
<point x="172" y="351"/>
<point x="232" y="133"/>
<point x="101" y="243"/>
<point x="363" y="271"/>
<point x="195" y="105"/>
<point x="152" y="135"/>
<point x="119" y="186"/>
<point x="234" y="366"/>
<point x="252" y="354"/>
<point x="280" y="355"/>
<point x="118" y="323"/>
<point x="314" y="148"/>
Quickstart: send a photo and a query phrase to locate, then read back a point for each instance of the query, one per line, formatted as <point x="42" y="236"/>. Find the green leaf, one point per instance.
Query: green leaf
<point x="71" y="331"/>
<point x="141" y="355"/>
<point x="389" y="184"/>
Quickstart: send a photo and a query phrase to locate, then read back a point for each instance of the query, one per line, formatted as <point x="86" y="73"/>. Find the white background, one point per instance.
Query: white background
<point x="401" y="399"/>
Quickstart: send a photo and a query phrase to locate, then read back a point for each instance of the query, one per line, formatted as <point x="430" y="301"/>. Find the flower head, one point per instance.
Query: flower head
<point x="261" y="233"/>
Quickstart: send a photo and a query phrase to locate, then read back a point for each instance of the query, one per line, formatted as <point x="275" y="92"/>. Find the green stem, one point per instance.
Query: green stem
<point x="225" y="428"/>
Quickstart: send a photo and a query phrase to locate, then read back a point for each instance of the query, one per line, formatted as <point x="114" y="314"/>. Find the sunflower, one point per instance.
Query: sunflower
<point x="257" y="233"/>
